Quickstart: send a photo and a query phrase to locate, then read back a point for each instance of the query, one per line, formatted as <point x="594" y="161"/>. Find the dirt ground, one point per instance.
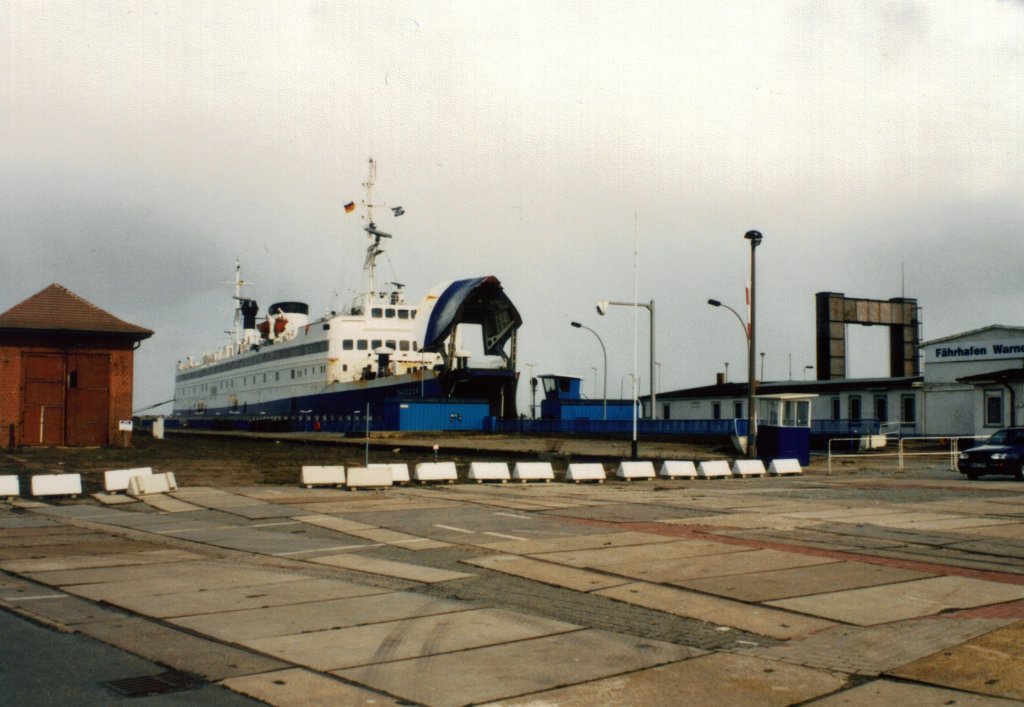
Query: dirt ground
<point x="225" y="459"/>
<point x="212" y="459"/>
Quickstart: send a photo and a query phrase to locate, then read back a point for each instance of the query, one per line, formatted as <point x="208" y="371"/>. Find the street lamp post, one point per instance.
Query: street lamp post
<point x="602" y="309"/>
<point x="604" y="353"/>
<point x="755" y="240"/>
<point x="748" y="333"/>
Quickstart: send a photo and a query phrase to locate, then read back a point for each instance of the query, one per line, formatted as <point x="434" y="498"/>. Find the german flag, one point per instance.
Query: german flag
<point x="350" y="207"/>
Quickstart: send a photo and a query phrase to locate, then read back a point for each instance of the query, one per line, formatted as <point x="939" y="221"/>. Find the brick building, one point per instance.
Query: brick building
<point x="66" y="369"/>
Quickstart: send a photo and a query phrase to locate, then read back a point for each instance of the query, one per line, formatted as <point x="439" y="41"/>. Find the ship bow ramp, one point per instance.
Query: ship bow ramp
<point x="481" y="301"/>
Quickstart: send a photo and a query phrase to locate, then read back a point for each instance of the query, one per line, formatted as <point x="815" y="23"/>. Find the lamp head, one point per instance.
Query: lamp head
<point x="754" y="237"/>
<point x="602" y="307"/>
<point x="714" y="303"/>
<point x="576" y="324"/>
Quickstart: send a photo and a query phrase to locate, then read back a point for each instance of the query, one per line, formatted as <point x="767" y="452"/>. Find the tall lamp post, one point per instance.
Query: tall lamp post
<point x="748" y="333"/>
<point x="605" y="354"/>
<point x="602" y="309"/>
<point x="755" y="240"/>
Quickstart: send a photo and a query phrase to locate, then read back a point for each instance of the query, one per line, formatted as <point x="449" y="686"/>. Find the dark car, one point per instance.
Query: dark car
<point x="1002" y="453"/>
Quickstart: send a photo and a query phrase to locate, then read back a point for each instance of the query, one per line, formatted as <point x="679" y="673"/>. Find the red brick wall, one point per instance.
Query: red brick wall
<point x="12" y="346"/>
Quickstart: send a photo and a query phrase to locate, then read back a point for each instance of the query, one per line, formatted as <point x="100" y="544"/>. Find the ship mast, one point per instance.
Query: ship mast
<point x="374" y="249"/>
<point x="238" y="283"/>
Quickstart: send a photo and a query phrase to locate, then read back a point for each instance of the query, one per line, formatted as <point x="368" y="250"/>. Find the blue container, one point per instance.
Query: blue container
<point x="775" y="442"/>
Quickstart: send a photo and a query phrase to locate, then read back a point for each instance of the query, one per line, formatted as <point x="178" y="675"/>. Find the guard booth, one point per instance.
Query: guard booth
<point x="784" y="430"/>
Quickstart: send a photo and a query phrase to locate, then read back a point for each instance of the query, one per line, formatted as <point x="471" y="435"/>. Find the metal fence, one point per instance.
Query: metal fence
<point x="948" y="448"/>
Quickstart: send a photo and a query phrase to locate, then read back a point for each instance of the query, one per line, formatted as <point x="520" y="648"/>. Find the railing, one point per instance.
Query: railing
<point x="950" y="451"/>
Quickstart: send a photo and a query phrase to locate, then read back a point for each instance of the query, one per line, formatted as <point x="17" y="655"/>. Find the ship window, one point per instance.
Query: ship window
<point x="415" y="346"/>
<point x="347" y="345"/>
<point x="403" y="314"/>
<point x="326" y="327"/>
<point x="361" y="345"/>
<point x="376" y="344"/>
<point x="403" y="345"/>
<point x="277" y="375"/>
<point x="344" y="367"/>
<point x="412" y="313"/>
<point x="376" y="312"/>
<point x="389" y="312"/>
<point x="390" y="343"/>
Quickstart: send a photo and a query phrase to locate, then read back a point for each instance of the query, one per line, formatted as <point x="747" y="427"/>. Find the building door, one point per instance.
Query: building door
<point x="88" y="399"/>
<point x="67" y="399"/>
<point x="42" y="417"/>
<point x="882" y="408"/>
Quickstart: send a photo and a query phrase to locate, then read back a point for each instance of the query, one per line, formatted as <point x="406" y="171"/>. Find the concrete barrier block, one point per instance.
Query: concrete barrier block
<point x="323" y="476"/>
<point x="399" y="472"/>
<point x="678" y="470"/>
<point x="9" y="486"/>
<point x="368" y="477"/>
<point x="585" y="472"/>
<point x="714" y="470"/>
<point x="488" y="471"/>
<point x="435" y="471"/>
<point x="748" y="467"/>
<point x="144" y="485"/>
<point x="533" y="471"/>
<point x="785" y="467"/>
<point x="117" y="479"/>
<point x="635" y="470"/>
<point x="57" y="485"/>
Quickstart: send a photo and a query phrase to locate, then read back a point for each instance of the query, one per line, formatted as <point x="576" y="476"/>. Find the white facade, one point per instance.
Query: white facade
<point x="957" y="406"/>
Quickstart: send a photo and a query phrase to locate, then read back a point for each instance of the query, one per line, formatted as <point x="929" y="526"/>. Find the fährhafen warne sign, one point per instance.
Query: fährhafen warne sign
<point x="974" y="351"/>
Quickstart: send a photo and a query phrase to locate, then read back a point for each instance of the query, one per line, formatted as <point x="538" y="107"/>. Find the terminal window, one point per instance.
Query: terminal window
<point x="993" y="408"/>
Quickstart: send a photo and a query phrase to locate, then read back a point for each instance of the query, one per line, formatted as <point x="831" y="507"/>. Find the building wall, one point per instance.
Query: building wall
<point x="12" y="352"/>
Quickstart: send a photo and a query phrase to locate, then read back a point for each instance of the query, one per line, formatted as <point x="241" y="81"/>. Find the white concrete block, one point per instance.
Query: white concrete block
<point x="678" y="470"/>
<point x="533" y="471"/>
<point x="9" y="486"/>
<point x="748" y="467"/>
<point x="714" y="470"/>
<point x="435" y="471"/>
<point x="117" y="479"/>
<point x="635" y="470"/>
<point x="57" y="485"/>
<point x="399" y="472"/>
<point x="785" y="467"/>
<point x="323" y="476"/>
<point x="585" y="472"/>
<point x="488" y="471"/>
<point x="368" y="477"/>
<point x="143" y="485"/>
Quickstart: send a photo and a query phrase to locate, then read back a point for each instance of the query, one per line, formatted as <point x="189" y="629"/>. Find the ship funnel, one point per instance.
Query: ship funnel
<point x="249" y="309"/>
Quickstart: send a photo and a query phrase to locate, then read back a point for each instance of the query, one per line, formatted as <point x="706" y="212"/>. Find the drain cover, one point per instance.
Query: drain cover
<point x="170" y="681"/>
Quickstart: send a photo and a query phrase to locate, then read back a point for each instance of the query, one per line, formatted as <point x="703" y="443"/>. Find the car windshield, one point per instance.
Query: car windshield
<point x="999" y="437"/>
<point x="1007" y="437"/>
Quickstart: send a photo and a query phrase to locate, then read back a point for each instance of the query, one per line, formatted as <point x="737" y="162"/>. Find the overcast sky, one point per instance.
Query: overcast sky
<point x="144" y="146"/>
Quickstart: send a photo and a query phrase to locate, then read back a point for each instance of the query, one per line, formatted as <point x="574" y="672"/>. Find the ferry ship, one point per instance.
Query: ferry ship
<point x="381" y="350"/>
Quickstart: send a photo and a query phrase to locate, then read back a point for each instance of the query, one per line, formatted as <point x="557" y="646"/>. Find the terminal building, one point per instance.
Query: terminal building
<point x="967" y="384"/>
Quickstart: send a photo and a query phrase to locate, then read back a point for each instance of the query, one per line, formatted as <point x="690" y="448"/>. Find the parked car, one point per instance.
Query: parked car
<point x="1002" y="453"/>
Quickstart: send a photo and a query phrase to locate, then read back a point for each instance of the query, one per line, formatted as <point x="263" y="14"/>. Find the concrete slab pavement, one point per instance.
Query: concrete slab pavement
<point x="714" y="680"/>
<point x="380" y="643"/>
<point x="991" y="665"/>
<point x="905" y="600"/>
<point x="296" y="687"/>
<point x="517" y="668"/>
<point x="724" y="612"/>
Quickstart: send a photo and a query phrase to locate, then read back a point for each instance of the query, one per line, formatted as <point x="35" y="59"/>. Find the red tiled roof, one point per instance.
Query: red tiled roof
<point x="57" y="308"/>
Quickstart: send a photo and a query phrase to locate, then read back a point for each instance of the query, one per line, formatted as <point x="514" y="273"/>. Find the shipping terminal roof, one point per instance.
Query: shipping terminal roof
<point x="57" y="308"/>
